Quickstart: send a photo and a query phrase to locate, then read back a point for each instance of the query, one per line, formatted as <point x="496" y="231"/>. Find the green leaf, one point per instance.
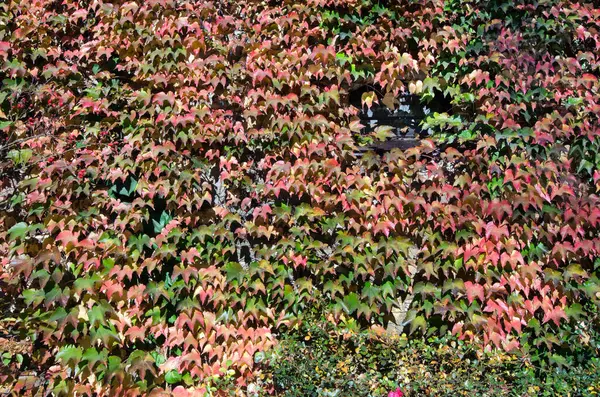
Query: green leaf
<point x="173" y="377"/>
<point x="86" y="283"/>
<point x="351" y="302"/>
<point x="123" y="189"/>
<point x="442" y="120"/>
<point x="418" y="322"/>
<point x="58" y="314"/>
<point x="343" y="58"/>
<point x="70" y="354"/>
<point x="19" y="230"/>
<point x="105" y="334"/>
<point x="159" y="359"/>
<point x="92" y="356"/>
<point x="33" y="297"/>
<point x="165" y="218"/>
<point x="97" y="315"/>
<point x="560" y="360"/>
<point x="574" y="311"/>
<point x="20" y="156"/>
<point x="114" y="363"/>
<point x="234" y="271"/>
<point x="60" y="388"/>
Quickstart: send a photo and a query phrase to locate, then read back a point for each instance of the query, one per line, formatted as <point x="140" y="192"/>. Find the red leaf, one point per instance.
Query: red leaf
<point x="66" y="237"/>
<point x="491" y="230"/>
<point x="474" y="291"/>
<point x="554" y="314"/>
<point x="136" y="333"/>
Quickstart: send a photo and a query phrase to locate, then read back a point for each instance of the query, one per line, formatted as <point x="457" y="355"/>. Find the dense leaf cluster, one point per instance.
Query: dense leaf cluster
<point x="180" y="181"/>
<point x="321" y="359"/>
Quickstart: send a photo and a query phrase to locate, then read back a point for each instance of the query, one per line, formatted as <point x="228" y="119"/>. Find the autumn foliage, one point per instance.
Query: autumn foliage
<point x="179" y="180"/>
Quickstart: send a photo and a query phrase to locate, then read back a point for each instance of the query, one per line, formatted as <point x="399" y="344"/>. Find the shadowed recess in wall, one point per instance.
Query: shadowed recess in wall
<point x="403" y="114"/>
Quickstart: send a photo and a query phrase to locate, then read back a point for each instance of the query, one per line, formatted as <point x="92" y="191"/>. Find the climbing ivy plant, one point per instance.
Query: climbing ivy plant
<point x="179" y="182"/>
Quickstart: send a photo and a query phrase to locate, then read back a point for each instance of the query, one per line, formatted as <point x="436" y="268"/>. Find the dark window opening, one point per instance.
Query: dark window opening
<point x="405" y="119"/>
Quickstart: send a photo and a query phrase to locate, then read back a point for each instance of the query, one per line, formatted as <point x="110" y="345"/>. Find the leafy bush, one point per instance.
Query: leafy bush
<point x="321" y="359"/>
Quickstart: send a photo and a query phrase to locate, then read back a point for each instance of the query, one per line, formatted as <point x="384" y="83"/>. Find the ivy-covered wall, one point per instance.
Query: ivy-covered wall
<point x="180" y="181"/>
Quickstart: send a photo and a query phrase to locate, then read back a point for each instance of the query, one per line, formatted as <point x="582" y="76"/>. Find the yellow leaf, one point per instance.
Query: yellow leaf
<point x="82" y="315"/>
<point x="383" y="132"/>
<point x="368" y="98"/>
